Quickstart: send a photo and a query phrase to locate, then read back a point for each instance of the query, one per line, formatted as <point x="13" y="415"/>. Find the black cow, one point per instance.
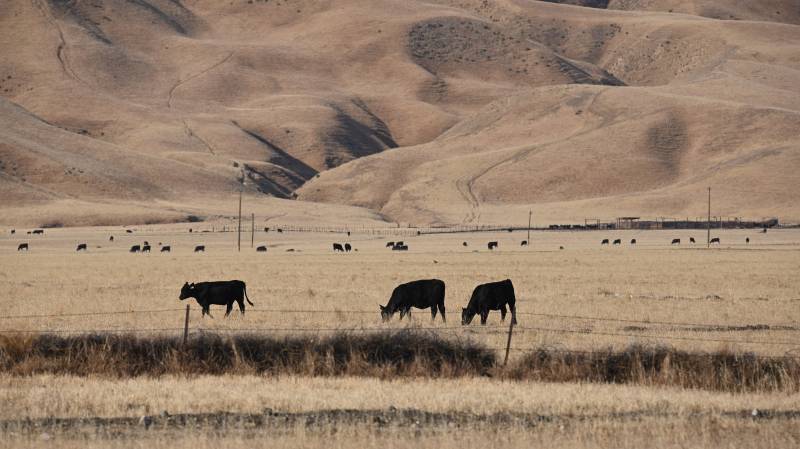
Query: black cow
<point x="22" y="246"/>
<point x="280" y="230"/>
<point x="347" y="247"/>
<point x="135" y="248"/>
<point x="111" y="238"/>
<point x="13" y="231"/>
<point x="560" y="247"/>
<point x="348" y="233"/>
<point x="81" y="247"/>
<point x="261" y="249"/>
<point x="166" y="249"/>
<point x="633" y="241"/>
<point x="464" y="244"/>
<point x="389" y="244"/>
<point x="129" y="231"/>
<point x="604" y="242"/>
<point x="146" y="248"/>
<point x="218" y="292"/>
<point x="676" y="242"/>
<point x="618" y="241"/>
<point x="38" y="231"/>
<point x="691" y="240"/>
<point x="715" y="240"/>
<point x="747" y="240"/>
<point x="200" y="248"/>
<point x="266" y="229"/>
<point x="422" y="294"/>
<point x="338" y="247"/>
<point x="400" y="248"/>
<point x="764" y="231"/>
<point x="491" y="296"/>
<point x="524" y="243"/>
<point x="492" y="245"/>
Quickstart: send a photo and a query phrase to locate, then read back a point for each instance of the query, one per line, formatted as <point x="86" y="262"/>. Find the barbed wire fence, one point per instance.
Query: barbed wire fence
<point x="791" y="345"/>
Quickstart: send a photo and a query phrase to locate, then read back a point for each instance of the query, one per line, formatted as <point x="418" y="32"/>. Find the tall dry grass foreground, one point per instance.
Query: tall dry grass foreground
<point x="389" y="354"/>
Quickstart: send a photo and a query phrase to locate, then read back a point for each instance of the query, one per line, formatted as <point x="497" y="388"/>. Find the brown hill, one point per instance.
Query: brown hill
<point x="447" y="111"/>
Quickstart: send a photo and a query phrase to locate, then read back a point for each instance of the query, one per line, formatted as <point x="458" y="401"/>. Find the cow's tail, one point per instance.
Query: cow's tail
<point x="244" y="289"/>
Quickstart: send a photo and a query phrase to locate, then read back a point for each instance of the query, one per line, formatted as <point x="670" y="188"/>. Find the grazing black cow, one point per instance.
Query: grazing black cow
<point x="604" y="242"/>
<point x="280" y="230"/>
<point x="524" y="243"/>
<point x="691" y="240"/>
<point x="29" y="232"/>
<point x="389" y="244"/>
<point x="13" y="231"/>
<point x="111" y="238"/>
<point x="633" y="241"/>
<point x="338" y="247"/>
<point x="764" y="231"/>
<point x="464" y="244"/>
<point x="560" y="247"/>
<point x="492" y="245"/>
<point x="200" y="248"/>
<point x="676" y="242"/>
<point x="422" y="294"/>
<point x="223" y="293"/>
<point x="81" y="247"/>
<point x="38" y="231"/>
<point x="266" y="229"/>
<point x="747" y="240"/>
<point x="146" y="248"/>
<point x="400" y="248"/>
<point x="347" y="247"/>
<point x="715" y="240"/>
<point x="618" y="241"/>
<point x="129" y="231"/>
<point x="261" y="249"/>
<point x="166" y="249"/>
<point x="491" y="296"/>
<point x="135" y="248"/>
<point x="348" y="233"/>
<point x="22" y="246"/>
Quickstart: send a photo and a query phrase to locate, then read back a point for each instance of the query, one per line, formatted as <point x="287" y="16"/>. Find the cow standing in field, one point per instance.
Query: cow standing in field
<point x="135" y="249"/>
<point x="491" y="296"/>
<point x="111" y="238"/>
<point x="261" y="249"/>
<point x="676" y="241"/>
<point x="200" y="248"/>
<point x="715" y="240"/>
<point x="81" y="247"/>
<point x="492" y="245"/>
<point x="633" y="241"/>
<point x="747" y="240"/>
<point x="146" y="248"/>
<point x="218" y="293"/>
<point x="22" y="246"/>
<point x="464" y="244"/>
<point x="604" y="242"/>
<point x="389" y="244"/>
<point x="347" y="247"/>
<point x="400" y="247"/>
<point x="13" y="231"/>
<point x="691" y="240"/>
<point x="166" y="249"/>
<point x="524" y="243"/>
<point x="422" y="294"/>
<point x="38" y="231"/>
<point x="338" y="247"/>
<point x="618" y="242"/>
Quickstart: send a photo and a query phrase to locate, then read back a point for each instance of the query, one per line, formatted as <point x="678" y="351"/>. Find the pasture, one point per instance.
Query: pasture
<point x="586" y="297"/>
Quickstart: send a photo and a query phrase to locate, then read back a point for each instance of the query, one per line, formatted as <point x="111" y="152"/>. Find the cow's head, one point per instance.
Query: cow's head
<point x="466" y="316"/>
<point x="187" y="291"/>
<point x="385" y="314"/>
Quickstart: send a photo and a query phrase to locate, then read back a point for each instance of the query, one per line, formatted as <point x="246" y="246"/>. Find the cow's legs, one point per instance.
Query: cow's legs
<point x="513" y="314"/>
<point x="503" y="313"/>
<point x="241" y="305"/>
<point x="441" y="311"/>
<point x="229" y="308"/>
<point x="433" y="312"/>
<point x="484" y="316"/>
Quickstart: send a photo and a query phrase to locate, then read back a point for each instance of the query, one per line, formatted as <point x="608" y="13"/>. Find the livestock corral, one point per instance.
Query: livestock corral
<point x="611" y="343"/>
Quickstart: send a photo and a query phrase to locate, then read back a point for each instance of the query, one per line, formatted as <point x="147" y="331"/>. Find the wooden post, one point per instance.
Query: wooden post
<point x="708" y="234"/>
<point x="252" y="229"/>
<point x="239" y="227"/>
<point x="508" y="343"/>
<point x="186" y="326"/>
<point x="530" y="214"/>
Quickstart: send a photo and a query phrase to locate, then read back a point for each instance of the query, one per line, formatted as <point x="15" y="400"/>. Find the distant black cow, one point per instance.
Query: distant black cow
<point x="400" y="248"/>
<point x="338" y="247"/>
<point x="633" y="241"/>
<point x="691" y="240"/>
<point x="524" y="243"/>
<point x="747" y="240"/>
<point x="146" y="248"/>
<point x="166" y="249"/>
<point x="135" y="248"/>
<point x="715" y="240"/>
<point x="764" y="231"/>
<point x="200" y="248"/>
<point x="13" y="231"/>
<point x="347" y="247"/>
<point x="422" y="294"/>
<point x="280" y="230"/>
<point x="676" y="242"/>
<point x="129" y="231"/>
<point x="560" y="247"/>
<point x="389" y="244"/>
<point x="604" y="242"/>
<point x="218" y="292"/>
<point x="81" y="247"/>
<point x="266" y="229"/>
<point x="618" y="241"/>
<point x="261" y="249"/>
<point x="22" y="246"/>
<point x="464" y="244"/>
<point x="492" y="245"/>
<point x="111" y="238"/>
<point x="348" y="233"/>
<point x="491" y="296"/>
<point x="38" y="231"/>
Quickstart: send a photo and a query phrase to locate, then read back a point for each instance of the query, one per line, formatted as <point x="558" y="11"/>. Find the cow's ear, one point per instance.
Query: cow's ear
<point x="382" y="308"/>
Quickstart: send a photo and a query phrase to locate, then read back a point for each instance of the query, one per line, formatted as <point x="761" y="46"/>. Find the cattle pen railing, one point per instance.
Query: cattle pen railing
<point x="791" y="345"/>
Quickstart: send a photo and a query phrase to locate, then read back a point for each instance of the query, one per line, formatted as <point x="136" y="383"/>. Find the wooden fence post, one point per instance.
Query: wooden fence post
<point x="508" y="343"/>
<point x="186" y="327"/>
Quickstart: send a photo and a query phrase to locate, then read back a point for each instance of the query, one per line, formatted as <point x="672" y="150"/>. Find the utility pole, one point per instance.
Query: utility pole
<point x="252" y="229"/>
<point x="708" y="234"/>
<point x="530" y="214"/>
<point x="239" y="227"/>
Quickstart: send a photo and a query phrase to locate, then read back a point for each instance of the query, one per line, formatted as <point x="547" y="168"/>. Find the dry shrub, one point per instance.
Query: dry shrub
<point x="403" y="353"/>
<point x="724" y="370"/>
